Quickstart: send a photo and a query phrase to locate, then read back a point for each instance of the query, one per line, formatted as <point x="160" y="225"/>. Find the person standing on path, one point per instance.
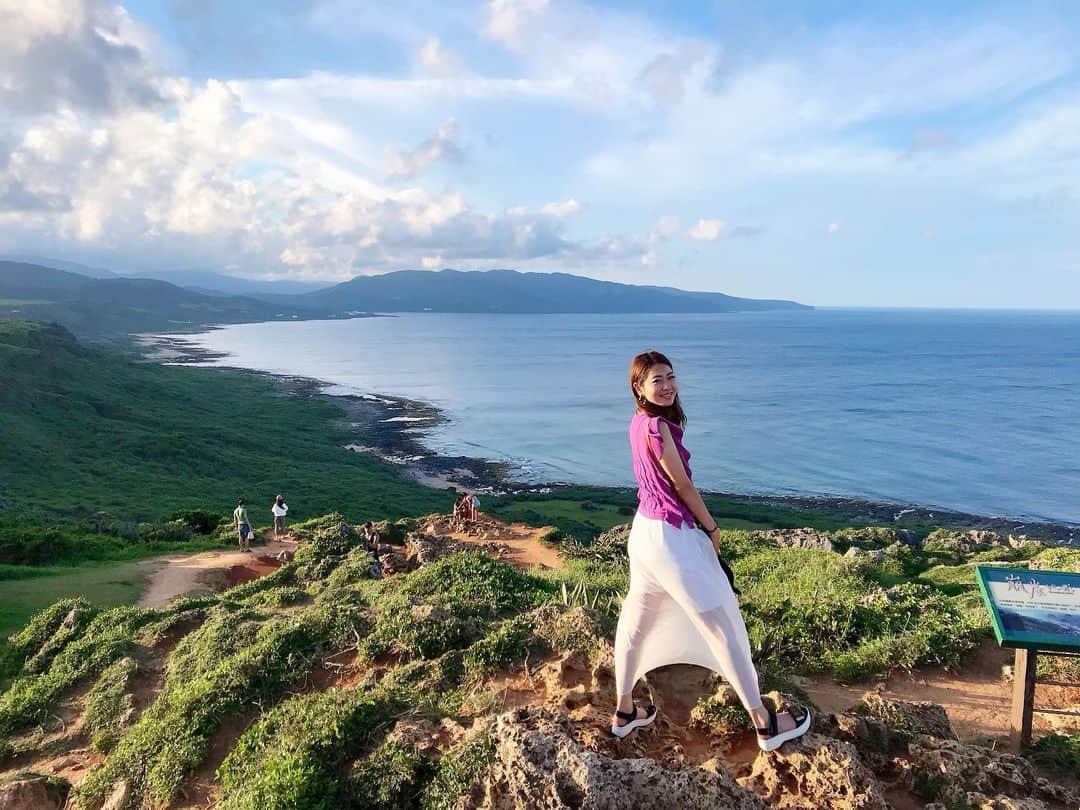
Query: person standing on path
<point x="280" y="509"/>
<point x="243" y="525"/>
<point x="474" y="507"/>
<point x="681" y="606"/>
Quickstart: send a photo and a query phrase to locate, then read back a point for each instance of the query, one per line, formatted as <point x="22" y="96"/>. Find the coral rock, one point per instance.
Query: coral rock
<point x="31" y="793"/>
<point x="539" y="766"/>
<point x="797" y="538"/>
<point x="815" y="772"/>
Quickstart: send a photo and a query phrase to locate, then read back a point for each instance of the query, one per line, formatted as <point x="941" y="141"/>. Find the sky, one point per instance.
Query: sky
<point x="838" y="154"/>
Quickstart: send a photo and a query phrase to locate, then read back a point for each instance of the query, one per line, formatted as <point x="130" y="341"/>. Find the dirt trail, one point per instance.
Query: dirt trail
<point x="976" y="697"/>
<point x="523" y="547"/>
<point x="178" y="574"/>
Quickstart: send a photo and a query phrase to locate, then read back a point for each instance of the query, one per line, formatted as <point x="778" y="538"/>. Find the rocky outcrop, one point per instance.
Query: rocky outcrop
<point x="538" y="765"/>
<point x="815" y="772"/>
<point x="31" y="792"/>
<point x="952" y="772"/>
<point x="797" y="538"/>
<point x="961" y="542"/>
<point x="875" y="554"/>
<point x="906" y="718"/>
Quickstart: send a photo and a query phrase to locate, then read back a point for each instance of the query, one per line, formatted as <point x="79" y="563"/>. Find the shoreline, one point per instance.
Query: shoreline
<point x="392" y="429"/>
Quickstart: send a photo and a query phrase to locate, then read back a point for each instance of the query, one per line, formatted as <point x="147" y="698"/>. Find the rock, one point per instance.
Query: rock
<point x="815" y="771"/>
<point x="797" y="538"/>
<point x="393" y="563"/>
<point x="285" y="556"/>
<point x="876" y="554"/>
<point x="906" y="719"/>
<point x="954" y="770"/>
<point x="962" y="542"/>
<point x="576" y="696"/>
<point x="120" y="798"/>
<point x="31" y="792"/>
<point x="539" y="766"/>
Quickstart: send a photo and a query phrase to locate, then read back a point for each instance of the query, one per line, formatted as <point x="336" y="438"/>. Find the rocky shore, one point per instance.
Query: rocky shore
<point x="394" y="429"/>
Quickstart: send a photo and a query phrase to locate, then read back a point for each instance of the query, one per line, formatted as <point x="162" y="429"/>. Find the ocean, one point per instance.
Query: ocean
<point x="968" y="410"/>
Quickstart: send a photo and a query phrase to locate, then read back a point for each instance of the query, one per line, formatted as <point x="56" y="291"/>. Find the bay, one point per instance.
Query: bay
<point x="968" y="410"/>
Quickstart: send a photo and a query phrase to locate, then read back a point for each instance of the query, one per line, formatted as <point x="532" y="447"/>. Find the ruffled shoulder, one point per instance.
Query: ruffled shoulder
<point x="653" y="435"/>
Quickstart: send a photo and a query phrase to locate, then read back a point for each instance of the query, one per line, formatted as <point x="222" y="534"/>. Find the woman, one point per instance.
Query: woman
<point x="681" y="606"/>
<point x="280" y="509"/>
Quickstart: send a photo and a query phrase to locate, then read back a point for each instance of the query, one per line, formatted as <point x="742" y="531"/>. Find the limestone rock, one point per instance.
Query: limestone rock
<point x="30" y="793"/>
<point x="539" y="766"/>
<point x="956" y="769"/>
<point x="906" y="719"/>
<point x="815" y="772"/>
<point x="393" y="563"/>
<point x="797" y="538"/>
<point x="962" y="542"/>
<point x="120" y="798"/>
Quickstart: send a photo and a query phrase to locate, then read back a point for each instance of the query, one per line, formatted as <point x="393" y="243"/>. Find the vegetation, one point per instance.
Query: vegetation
<point x="1060" y="753"/>
<point x="86" y="431"/>
<point x="435" y="637"/>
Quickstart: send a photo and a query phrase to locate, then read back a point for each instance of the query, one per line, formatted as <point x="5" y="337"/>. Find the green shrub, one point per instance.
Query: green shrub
<point x="211" y="676"/>
<point x="711" y="713"/>
<point x="1057" y="559"/>
<point x="293" y="757"/>
<point x="108" y="637"/>
<point x="458" y="772"/>
<point x="200" y="521"/>
<point x="1058" y="753"/>
<point x="508" y="644"/>
<point x="173" y="531"/>
<point x="44" y="626"/>
<point x="108" y="702"/>
<point x="391" y="776"/>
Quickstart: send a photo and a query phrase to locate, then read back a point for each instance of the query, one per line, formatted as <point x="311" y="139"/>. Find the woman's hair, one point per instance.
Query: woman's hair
<point x="640" y="367"/>
<point x="279" y="500"/>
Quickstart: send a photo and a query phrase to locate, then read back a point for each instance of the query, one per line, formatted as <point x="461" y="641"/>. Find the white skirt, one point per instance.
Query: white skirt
<point x="675" y="579"/>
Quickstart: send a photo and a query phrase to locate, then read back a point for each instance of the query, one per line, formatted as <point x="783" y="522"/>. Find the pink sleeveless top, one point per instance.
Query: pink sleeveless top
<point x="656" y="496"/>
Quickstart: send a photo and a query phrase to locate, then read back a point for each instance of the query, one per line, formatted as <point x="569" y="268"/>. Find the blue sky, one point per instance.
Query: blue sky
<point x="904" y="154"/>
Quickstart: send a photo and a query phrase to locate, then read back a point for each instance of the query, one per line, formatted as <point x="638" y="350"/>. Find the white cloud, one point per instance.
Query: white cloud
<point x="706" y="230"/>
<point x="833" y="227"/>
<point x="87" y="54"/>
<point x="665" y="228"/>
<point x="437" y="59"/>
<point x="441" y="146"/>
<point x="508" y="20"/>
<point x="562" y="209"/>
<point x="432" y="262"/>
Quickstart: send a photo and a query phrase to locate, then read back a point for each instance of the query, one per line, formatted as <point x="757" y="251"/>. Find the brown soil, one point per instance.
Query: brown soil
<point x="178" y="574"/>
<point x="977" y="697"/>
<point x="522" y="547"/>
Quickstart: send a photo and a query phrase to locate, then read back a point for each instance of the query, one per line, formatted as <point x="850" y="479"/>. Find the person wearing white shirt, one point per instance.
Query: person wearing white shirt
<point x="280" y="509"/>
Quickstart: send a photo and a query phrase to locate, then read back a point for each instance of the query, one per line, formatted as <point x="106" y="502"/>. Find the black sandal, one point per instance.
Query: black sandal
<point x="632" y="721"/>
<point x="771" y="738"/>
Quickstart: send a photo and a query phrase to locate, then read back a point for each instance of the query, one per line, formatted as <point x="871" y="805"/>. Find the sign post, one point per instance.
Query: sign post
<point x="1035" y="612"/>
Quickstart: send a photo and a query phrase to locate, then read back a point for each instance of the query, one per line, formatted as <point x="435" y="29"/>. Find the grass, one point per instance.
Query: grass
<point x="104" y="584"/>
<point x="85" y="431"/>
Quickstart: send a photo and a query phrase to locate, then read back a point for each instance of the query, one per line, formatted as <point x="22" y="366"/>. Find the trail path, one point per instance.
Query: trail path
<point x="976" y="697"/>
<point x="523" y="547"/>
<point x="178" y="574"/>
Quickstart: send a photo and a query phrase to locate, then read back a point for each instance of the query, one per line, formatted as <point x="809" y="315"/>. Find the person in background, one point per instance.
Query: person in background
<point x="460" y="509"/>
<point x="280" y="509"/>
<point x="243" y="525"/>
<point x="371" y="537"/>
<point x="474" y="507"/>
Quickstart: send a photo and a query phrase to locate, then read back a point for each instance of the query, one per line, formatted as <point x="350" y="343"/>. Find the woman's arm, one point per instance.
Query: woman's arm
<point x="672" y="464"/>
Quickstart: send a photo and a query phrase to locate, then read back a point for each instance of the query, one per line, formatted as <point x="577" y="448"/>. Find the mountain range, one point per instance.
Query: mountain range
<point x="97" y="302"/>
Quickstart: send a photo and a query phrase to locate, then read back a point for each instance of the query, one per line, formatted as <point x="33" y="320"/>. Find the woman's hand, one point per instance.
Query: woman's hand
<point x="714" y="537"/>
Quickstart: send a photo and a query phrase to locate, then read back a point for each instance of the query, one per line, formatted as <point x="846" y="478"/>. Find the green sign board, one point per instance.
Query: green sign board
<point x="1038" y="610"/>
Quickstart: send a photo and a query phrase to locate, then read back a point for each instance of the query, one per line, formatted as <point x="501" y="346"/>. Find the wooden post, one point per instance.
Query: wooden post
<point x="1023" y="699"/>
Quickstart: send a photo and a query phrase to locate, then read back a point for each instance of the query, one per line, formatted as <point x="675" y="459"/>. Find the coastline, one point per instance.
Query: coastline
<point x="392" y="429"/>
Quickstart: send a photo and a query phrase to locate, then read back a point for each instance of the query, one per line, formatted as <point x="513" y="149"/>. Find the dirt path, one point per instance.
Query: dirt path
<point x="178" y="574"/>
<point x="977" y="698"/>
<point x="522" y="547"/>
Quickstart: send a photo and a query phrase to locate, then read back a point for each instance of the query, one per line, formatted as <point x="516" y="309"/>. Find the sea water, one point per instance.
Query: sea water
<point x="968" y="410"/>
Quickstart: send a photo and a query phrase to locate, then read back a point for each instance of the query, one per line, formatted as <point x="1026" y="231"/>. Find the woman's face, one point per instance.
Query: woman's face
<point x="659" y="386"/>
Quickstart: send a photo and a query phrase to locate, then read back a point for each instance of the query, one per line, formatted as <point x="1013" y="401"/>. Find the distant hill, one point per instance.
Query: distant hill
<point x="61" y="264"/>
<point x="210" y="283"/>
<point x="109" y="306"/>
<point x="509" y="291"/>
